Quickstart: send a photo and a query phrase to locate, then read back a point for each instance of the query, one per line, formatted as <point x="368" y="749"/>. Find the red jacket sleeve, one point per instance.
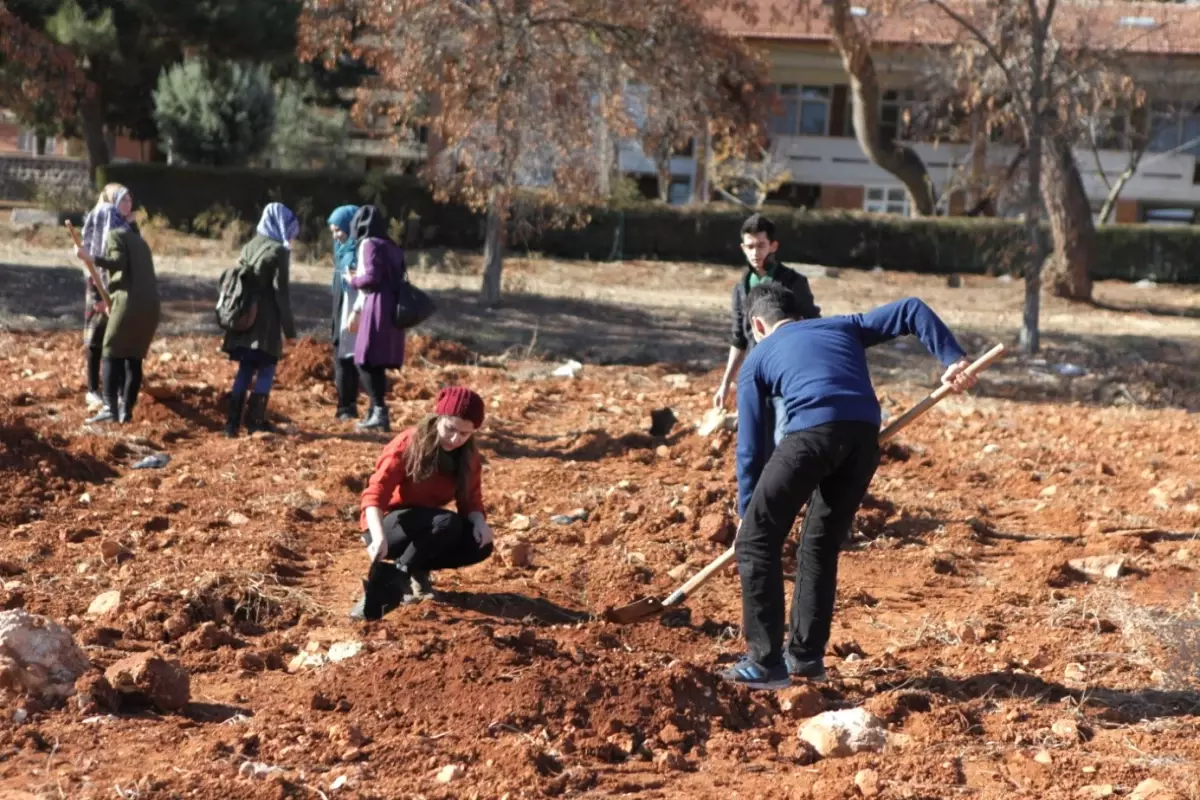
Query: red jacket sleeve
<point x="389" y="473"/>
<point x="470" y="499"/>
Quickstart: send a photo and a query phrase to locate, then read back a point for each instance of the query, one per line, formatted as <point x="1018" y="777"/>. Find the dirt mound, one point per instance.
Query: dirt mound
<point x="439" y="351"/>
<point x="305" y="360"/>
<point x="38" y="468"/>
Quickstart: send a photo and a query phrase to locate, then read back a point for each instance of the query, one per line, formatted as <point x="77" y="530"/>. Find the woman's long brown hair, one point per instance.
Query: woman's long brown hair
<point x="420" y="460"/>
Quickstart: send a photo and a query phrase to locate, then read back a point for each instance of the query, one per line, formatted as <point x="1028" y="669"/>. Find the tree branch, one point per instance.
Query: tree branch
<point x="979" y="36"/>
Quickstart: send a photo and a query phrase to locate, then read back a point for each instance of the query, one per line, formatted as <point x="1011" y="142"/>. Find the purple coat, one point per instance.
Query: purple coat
<point x="381" y="270"/>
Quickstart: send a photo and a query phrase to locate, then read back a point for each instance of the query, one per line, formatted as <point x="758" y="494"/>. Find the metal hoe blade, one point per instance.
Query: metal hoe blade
<point x="637" y="610"/>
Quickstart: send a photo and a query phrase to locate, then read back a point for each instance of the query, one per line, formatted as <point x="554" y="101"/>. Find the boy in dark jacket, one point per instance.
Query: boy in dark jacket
<point x="760" y="246"/>
<point x="827" y="457"/>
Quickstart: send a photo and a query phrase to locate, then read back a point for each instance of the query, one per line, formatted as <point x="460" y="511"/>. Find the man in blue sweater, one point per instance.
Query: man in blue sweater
<point x="827" y="457"/>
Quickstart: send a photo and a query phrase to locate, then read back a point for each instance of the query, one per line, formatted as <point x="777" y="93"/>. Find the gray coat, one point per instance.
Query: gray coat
<point x="269" y="261"/>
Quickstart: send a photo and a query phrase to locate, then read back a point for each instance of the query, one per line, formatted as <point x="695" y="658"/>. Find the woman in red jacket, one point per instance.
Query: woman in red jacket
<point x="403" y="518"/>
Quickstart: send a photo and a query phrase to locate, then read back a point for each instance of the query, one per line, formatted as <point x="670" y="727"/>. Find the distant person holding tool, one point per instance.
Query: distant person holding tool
<point x="827" y="457"/>
<point x="760" y="247"/>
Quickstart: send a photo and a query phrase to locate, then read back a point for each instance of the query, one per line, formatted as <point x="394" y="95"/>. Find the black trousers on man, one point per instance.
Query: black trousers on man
<point x="831" y="467"/>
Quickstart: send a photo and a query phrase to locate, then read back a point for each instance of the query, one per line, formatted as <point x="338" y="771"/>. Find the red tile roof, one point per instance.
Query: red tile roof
<point x="1130" y="27"/>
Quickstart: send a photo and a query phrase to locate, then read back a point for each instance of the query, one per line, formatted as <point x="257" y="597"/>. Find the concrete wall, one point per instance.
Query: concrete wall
<point x="20" y="174"/>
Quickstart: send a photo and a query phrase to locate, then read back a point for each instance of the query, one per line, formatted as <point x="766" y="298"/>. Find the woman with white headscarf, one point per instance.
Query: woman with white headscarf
<point x="132" y="320"/>
<point x="259" y="348"/>
<point x="95" y="315"/>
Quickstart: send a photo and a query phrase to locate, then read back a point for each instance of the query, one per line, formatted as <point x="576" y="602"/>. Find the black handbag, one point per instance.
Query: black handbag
<point x="413" y="306"/>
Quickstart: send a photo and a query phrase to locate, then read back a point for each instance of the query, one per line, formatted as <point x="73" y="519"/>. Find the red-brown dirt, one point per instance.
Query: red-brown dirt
<point x="959" y="621"/>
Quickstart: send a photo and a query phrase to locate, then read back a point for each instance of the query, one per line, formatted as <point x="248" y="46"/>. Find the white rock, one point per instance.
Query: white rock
<point x="237" y="519"/>
<point x="450" y="773"/>
<point x="520" y="522"/>
<point x="836" y="734"/>
<point x="340" y="651"/>
<point x="39" y="656"/>
<point x="991" y="448"/>
<point x="1151" y="789"/>
<point x="677" y="380"/>
<point x="1110" y="567"/>
<point x="104" y="603"/>
<point x="867" y="781"/>
<point x="257" y="769"/>
<point x="339" y="782"/>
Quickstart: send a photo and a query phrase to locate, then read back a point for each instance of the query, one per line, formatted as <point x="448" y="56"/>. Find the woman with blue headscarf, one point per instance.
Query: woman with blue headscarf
<point x="259" y="348"/>
<point x="345" y="374"/>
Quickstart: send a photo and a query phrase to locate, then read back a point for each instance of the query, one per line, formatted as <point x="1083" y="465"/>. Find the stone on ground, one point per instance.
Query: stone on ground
<point x="836" y="734"/>
<point x="38" y="657"/>
<point x="147" y="678"/>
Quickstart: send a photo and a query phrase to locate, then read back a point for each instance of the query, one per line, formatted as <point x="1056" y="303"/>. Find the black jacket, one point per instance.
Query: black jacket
<point x="742" y="336"/>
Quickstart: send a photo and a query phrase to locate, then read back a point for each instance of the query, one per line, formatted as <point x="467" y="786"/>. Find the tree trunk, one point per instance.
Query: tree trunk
<point x="93" y="132"/>
<point x="700" y="185"/>
<point x="493" y="253"/>
<point x="900" y="160"/>
<point x="39" y="144"/>
<point x="1068" y="272"/>
<point x="663" y="166"/>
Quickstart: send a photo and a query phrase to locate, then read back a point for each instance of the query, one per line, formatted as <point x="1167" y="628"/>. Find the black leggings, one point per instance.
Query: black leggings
<point x="431" y="538"/>
<point x="93" y="369"/>
<point x="122" y="381"/>
<point x="375" y="379"/>
<point x="345" y="379"/>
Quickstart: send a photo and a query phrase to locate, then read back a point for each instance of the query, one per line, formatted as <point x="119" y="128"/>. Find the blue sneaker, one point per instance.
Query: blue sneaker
<point x="814" y="671"/>
<point x="751" y="674"/>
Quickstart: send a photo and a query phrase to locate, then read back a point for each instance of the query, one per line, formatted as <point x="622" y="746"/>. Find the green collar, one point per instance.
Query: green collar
<point x="754" y="279"/>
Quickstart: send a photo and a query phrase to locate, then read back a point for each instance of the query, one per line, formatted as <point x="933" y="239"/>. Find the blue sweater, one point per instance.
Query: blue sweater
<point x="819" y="368"/>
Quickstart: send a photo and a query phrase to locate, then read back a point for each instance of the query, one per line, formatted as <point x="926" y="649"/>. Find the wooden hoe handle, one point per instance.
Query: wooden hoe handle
<point x="91" y="267"/>
<point x="932" y="399"/>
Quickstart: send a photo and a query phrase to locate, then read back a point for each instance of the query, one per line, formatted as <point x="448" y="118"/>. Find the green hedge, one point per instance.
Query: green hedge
<point x="180" y="194"/>
<point x="839" y="239"/>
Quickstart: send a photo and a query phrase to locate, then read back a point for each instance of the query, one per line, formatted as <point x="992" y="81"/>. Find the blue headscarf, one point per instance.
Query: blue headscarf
<point x="345" y="250"/>
<point x="278" y="223"/>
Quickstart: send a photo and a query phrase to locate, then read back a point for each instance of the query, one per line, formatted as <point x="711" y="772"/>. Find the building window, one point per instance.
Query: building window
<point x="896" y="108"/>
<point x="886" y="200"/>
<point x="1171" y="128"/>
<point x="803" y="111"/>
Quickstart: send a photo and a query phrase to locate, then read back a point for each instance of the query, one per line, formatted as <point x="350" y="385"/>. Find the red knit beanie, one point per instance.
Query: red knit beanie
<point x="461" y="402"/>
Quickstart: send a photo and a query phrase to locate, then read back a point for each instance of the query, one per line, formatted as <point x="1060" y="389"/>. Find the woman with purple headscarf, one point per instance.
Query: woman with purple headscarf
<point x="259" y="348"/>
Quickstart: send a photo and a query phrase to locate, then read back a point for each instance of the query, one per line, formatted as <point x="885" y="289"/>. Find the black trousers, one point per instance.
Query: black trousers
<point x="93" y="369"/>
<point x="831" y="467"/>
<point x="345" y="379"/>
<point x="122" y="381"/>
<point x="429" y="539"/>
<point x="375" y="380"/>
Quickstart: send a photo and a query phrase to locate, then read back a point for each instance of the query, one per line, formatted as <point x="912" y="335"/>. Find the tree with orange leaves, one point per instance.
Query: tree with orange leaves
<point x="36" y="73"/>
<point x="515" y="92"/>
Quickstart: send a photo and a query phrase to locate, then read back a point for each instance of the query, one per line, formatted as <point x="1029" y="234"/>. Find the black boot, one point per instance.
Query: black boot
<point x="377" y="420"/>
<point x="233" y="418"/>
<point x="256" y="414"/>
<point x="383" y="590"/>
<point x="106" y="415"/>
<point x="347" y="413"/>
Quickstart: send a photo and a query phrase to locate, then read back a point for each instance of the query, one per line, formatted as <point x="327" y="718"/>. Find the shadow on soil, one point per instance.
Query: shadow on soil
<point x="1095" y="370"/>
<point x="1125" y="707"/>
<point x="512" y="606"/>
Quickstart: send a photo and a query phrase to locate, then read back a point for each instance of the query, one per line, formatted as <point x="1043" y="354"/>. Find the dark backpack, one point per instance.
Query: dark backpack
<point x="237" y="299"/>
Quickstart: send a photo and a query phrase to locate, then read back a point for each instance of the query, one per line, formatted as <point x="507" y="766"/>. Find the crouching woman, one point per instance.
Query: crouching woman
<point x="403" y="519"/>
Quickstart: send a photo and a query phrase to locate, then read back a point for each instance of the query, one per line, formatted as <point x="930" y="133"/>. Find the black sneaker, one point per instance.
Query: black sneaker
<point x="813" y="671"/>
<point x="347" y="413"/>
<point x="382" y="591"/>
<point x="751" y="674"/>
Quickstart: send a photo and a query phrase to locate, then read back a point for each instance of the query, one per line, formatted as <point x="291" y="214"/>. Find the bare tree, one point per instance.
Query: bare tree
<point x="514" y="88"/>
<point x="732" y="173"/>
